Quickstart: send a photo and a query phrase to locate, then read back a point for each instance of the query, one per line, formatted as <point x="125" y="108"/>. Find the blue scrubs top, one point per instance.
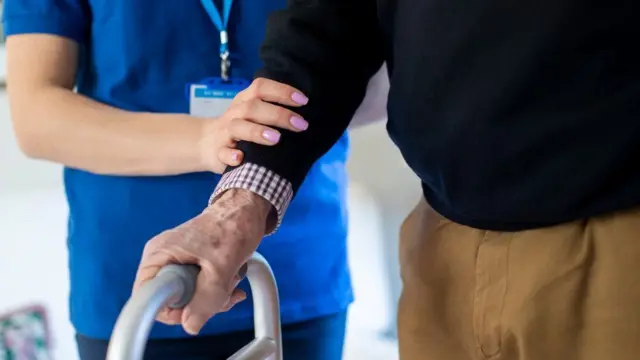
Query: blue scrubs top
<point x="138" y="55"/>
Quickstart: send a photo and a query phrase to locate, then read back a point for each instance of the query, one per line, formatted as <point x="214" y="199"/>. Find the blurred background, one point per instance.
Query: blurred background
<point x="33" y="263"/>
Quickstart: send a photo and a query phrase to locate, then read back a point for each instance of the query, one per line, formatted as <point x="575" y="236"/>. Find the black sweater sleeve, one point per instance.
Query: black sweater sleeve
<point x="329" y="49"/>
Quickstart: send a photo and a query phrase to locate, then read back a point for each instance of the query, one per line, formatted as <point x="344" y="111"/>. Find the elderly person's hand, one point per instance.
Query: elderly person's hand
<point x="225" y="235"/>
<point x="220" y="241"/>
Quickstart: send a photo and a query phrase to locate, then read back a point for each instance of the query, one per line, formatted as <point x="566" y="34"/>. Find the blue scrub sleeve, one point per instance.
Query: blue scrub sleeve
<point x="66" y="18"/>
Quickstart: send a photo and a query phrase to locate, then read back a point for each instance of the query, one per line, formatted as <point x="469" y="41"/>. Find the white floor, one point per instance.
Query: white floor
<point x="33" y="270"/>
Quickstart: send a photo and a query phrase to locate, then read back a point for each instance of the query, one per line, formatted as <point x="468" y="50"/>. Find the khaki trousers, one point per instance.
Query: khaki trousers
<point x="568" y="292"/>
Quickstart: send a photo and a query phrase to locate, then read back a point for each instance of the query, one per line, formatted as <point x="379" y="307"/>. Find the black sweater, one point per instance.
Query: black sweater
<point x="514" y="114"/>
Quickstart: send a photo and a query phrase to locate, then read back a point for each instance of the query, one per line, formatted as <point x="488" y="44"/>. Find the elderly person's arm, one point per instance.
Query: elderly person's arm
<point x="327" y="50"/>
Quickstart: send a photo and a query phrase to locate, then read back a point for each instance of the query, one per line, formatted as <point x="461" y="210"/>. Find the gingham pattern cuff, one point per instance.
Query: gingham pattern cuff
<point x="260" y="180"/>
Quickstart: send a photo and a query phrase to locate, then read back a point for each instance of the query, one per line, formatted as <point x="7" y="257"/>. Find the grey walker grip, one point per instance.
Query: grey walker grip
<point x="188" y="274"/>
<point x="174" y="287"/>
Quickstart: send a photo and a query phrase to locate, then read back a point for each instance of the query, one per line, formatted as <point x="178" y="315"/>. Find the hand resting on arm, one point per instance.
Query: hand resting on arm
<point x="54" y="123"/>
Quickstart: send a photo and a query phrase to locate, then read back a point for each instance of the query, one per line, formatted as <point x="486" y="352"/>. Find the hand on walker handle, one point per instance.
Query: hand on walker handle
<point x="219" y="241"/>
<point x="174" y="286"/>
<point x="252" y="116"/>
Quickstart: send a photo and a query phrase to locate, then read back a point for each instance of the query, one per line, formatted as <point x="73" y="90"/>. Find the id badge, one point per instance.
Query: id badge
<point x="212" y="97"/>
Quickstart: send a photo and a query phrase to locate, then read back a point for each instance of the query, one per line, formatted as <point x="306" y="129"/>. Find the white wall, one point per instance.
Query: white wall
<point x="15" y="172"/>
<point x="377" y="167"/>
<point x="32" y="243"/>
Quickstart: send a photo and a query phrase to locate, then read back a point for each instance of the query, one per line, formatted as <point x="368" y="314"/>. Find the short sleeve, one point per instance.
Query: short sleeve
<point x="66" y="18"/>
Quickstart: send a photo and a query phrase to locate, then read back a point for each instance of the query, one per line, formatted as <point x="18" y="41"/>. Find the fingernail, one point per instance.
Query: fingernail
<point x="299" y="123"/>
<point x="236" y="299"/>
<point x="271" y="136"/>
<point x="299" y="98"/>
<point x="235" y="156"/>
<point x="240" y="297"/>
<point x="192" y="325"/>
<point x="170" y="322"/>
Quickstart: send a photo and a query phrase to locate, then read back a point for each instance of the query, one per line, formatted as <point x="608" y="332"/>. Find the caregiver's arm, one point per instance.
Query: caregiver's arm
<point x="54" y="123"/>
<point x="328" y="49"/>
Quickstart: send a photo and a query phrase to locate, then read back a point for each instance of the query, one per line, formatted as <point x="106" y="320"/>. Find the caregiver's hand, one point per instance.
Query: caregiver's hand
<point x="220" y="241"/>
<point x="252" y="116"/>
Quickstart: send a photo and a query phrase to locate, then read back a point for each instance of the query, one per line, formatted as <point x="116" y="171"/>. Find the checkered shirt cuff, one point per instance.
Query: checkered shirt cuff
<point x="260" y="180"/>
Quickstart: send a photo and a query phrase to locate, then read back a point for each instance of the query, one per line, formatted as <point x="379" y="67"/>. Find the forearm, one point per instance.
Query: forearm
<point x="67" y="128"/>
<point x="329" y="61"/>
<point x="239" y="206"/>
<point x="240" y="215"/>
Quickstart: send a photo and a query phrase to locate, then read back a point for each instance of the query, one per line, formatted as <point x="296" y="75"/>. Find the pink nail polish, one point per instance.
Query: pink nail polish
<point x="271" y="136"/>
<point x="299" y="98"/>
<point x="235" y="156"/>
<point x="299" y="123"/>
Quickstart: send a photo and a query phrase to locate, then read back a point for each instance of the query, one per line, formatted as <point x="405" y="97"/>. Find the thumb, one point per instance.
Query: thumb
<point x="207" y="300"/>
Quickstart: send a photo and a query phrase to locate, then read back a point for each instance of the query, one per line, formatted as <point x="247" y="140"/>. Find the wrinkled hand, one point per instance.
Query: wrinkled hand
<point x="252" y="116"/>
<point x="220" y="241"/>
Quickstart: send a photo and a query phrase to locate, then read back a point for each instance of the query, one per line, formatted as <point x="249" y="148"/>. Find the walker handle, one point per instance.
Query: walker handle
<point x="188" y="274"/>
<point x="174" y="286"/>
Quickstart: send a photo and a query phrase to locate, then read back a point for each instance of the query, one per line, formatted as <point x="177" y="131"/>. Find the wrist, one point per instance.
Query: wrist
<point x="164" y="144"/>
<point x="236" y="223"/>
<point x="250" y="204"/>
<point x="185" y="141"/>
<point x="204" y="149"/>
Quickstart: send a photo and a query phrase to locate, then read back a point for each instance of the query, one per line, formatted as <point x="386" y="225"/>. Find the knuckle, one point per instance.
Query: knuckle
<point x="255" y="93"/>
<point x="233" y="125"/>
<point x="257" y="131"/>
<point x="225" y="136"/>
<point x="259" y="83"/>
<point x="150" y="246"/>
<point x="255" y="89"/>
<point x="282" y="113"/>
<point x="247" y="108"/>
<point x="242" y="93"/>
